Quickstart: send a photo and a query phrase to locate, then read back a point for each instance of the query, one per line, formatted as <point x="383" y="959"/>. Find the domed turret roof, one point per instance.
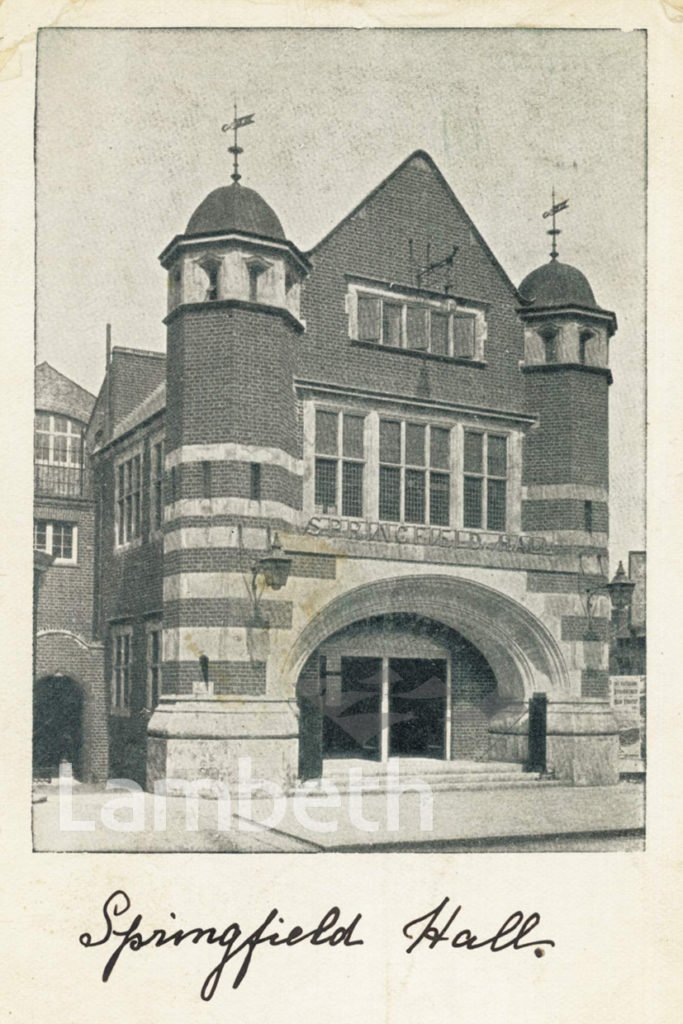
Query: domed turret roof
<point x="235" y="208"/>
<point x="557" y="284"/>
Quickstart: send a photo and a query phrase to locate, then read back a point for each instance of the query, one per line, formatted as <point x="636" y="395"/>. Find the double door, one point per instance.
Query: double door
<point x="377" y="708"/>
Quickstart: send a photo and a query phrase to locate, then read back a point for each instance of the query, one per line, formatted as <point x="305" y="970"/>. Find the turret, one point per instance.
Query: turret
<point x="566" y="364"/>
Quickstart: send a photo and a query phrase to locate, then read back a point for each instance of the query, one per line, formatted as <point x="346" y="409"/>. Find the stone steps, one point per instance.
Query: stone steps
<point x="440" y="776"/>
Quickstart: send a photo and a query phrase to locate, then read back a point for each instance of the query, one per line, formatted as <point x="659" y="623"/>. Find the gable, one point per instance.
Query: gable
<point x="59" y="394"/>
<point x="410" y="220"/>
<point x="416" y="202"/>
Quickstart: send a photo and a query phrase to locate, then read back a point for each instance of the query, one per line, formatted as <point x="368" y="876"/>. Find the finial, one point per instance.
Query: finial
<point x="237" y="122"/>
<point x="555" y="231"/>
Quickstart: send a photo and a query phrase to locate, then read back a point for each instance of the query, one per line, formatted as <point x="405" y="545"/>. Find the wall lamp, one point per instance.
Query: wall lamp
<point x="619" y="591"/>
<point x="273" y="569"/>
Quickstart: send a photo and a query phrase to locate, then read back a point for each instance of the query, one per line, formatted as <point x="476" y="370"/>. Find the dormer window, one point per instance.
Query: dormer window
<point x="550" y="337"/>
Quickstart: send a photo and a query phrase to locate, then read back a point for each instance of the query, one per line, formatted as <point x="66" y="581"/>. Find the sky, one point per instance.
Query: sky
<point x="129" y="142"/>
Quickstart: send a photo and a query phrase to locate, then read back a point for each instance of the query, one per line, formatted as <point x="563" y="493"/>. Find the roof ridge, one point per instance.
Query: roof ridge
<point x="138" y="351"/>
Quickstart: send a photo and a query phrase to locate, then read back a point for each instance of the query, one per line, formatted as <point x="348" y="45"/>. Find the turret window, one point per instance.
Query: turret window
<point x="584" y="338"/>
<point x="211" y="267"/>
<point x="550" y="338"/>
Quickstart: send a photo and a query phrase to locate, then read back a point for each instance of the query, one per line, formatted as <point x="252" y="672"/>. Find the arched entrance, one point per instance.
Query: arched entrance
<point x="437" y="616"/>
<point x="395" y="685"/>
<point x="57" y="726"/>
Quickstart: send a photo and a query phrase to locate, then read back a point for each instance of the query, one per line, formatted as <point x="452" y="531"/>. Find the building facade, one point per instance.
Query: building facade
<point x="355" y="510"/>
<point x="69" y="695"/>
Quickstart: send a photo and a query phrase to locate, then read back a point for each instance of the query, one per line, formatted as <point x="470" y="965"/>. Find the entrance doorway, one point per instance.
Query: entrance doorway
<point x="376" y="708"/>
<point x="57" y="726"/>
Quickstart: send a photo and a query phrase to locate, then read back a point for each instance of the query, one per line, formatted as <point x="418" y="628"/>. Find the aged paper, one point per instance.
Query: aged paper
<point x="530" y="117"/>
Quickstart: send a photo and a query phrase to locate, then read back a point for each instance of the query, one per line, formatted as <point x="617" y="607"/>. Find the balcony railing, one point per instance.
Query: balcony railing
<point x="59" y="481"/>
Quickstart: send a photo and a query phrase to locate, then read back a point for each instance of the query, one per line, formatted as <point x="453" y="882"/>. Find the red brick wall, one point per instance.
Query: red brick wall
<point x="65" y="593"/>
<point x="229" y="374"/>
<point x="374" y="243"/>
<point x="570" y="445"/>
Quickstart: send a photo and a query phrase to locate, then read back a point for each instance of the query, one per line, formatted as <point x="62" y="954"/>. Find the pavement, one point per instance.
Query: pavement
<point x="529" y="818"/>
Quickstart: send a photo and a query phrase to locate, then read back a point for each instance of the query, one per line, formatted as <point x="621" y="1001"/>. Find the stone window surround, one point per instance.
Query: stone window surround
<point x="406" y="296"/>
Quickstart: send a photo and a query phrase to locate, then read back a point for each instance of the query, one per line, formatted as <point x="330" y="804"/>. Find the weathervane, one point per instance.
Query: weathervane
<point x="554" y="231"/>
<point x="237" y="122"/>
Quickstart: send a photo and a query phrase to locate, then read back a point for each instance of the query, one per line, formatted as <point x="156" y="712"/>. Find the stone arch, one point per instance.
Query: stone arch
<point x="523" y="654"/>
<point x="61" y="654"/>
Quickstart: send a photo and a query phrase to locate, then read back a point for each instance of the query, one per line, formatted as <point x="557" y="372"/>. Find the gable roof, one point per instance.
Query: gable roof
<point x="57" y="393"/>
<point x="421" y="154"/>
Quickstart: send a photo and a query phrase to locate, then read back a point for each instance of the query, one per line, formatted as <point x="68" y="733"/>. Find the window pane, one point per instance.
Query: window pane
<point x="472" y="502"/>
<point x="495" y="513"/>
<point x="391" y="326"/>
<point x="497" y="459"/>
<point x="42" y="447"/>
<point x="352" y="489"/>
<point x="60" y="448"/>
<point x="415" y="444"/>
<point x="415" y="496"/>
<point x="326" y="432"/>
<point x="439" y="499"/>
<point x="473" y="452"/>
<point x="463" y="334"/>
<point x="439" y="334"/>
<point x="43" y="421"/>
<point x="61" y="424"/>
<point x="416" y="326"/>
<point x="326" y="484"/>
<point x="353" y="436"/>
<point x="389" y="441"/>
<point x="389" y="493"/>
<point x="62" y="540"/>
<point x="40" y="535"/>
<point x="440" y="447"/>
<point x="368" y="318"/>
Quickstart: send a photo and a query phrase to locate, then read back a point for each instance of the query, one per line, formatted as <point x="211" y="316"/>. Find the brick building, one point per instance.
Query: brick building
<point x="428" y="444"/>
<point x="69" y="695"/>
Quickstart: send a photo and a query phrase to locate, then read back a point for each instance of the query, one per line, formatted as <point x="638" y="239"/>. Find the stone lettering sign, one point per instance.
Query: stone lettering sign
<point x="403" y="533"/>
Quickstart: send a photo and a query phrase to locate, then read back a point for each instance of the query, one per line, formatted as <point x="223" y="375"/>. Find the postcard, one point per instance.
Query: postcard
<point x="335" y="338"/>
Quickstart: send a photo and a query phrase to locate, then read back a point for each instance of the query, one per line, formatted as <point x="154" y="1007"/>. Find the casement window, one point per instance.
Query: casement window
<point x="58" y="440"/>
<point x="417" y="326"/>
<point x="58" y="539"/>
<point x="121" y="668"/>
<point x="156" y="486"/>
<point x="128" y="499"/>
<point x="485" y="481"/>
<point x="414" y="473"/>
<point x="339" y="463"/>
<point x="153" y="664"/>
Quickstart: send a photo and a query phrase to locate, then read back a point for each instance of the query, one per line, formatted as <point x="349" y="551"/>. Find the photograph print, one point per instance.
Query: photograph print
<point x="339" y="472"/>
